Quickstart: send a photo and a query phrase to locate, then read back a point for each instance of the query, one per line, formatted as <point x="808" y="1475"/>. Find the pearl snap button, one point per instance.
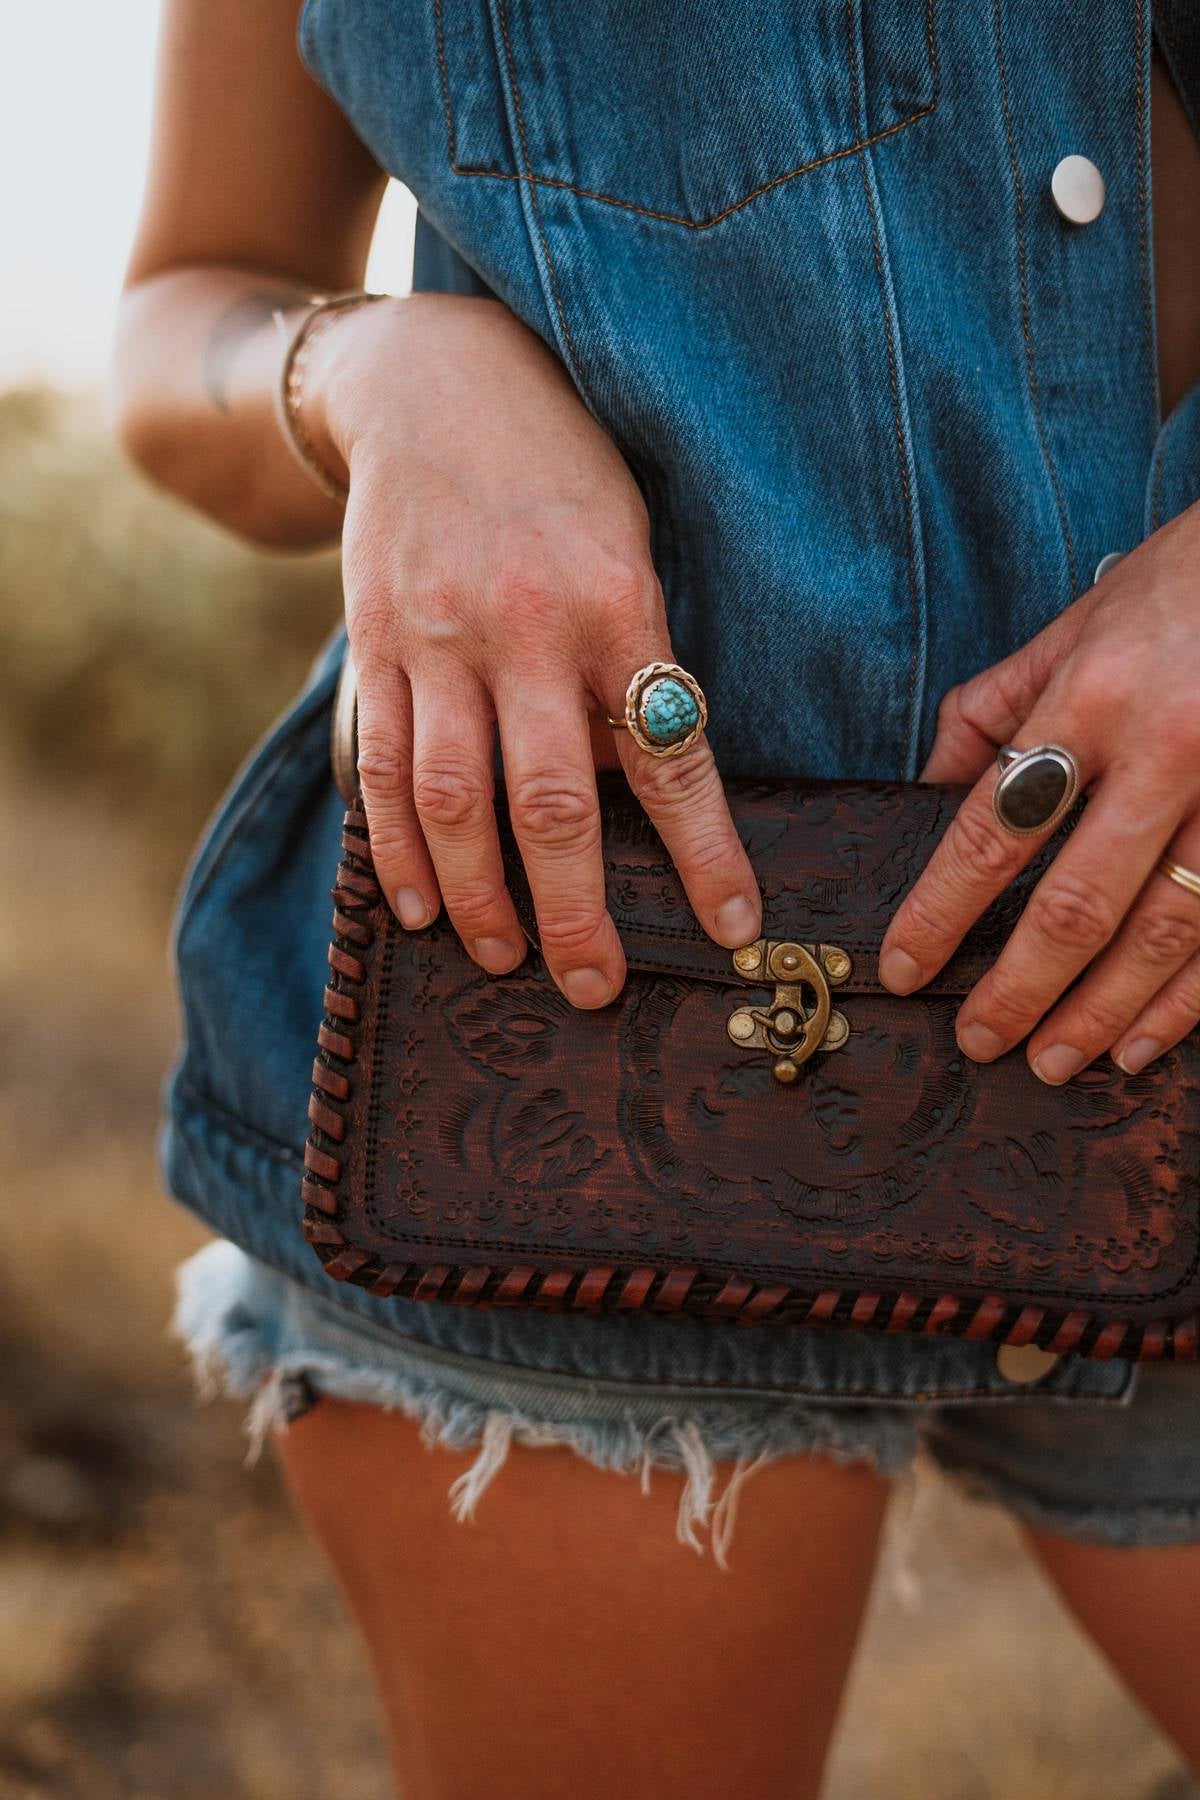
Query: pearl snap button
<point x="1105" y="564"/>
<point x="1024" y="1363"/>
<point x="1078" y="189"/>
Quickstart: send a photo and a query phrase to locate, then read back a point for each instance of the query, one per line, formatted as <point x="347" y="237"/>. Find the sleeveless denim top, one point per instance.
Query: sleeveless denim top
<point x="887" y="406"/>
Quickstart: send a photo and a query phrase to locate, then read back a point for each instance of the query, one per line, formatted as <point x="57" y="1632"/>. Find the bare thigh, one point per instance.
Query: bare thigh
<point x="1141" y="1606"/>
<point x="564" y="1641"/>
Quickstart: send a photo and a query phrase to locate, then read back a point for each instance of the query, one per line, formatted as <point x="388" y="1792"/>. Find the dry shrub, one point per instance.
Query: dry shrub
<point x="144" y="649"/>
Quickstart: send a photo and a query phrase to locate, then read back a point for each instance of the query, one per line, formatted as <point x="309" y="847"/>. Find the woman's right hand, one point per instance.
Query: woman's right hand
<point x="497" y="568"/>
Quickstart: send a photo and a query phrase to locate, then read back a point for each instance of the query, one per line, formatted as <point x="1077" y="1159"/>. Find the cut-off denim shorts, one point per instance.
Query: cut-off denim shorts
<point x="1121" y="1466"/>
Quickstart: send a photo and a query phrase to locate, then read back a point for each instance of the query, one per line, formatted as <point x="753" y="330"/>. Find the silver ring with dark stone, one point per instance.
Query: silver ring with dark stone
<point x="1036" y="787"/>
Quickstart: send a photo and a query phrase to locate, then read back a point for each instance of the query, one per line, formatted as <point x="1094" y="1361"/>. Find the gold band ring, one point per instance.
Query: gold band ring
<point x="1187" y="878"/>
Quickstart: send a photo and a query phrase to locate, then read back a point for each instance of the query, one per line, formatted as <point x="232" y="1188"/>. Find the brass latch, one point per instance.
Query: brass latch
<point x="800" y="1019"/>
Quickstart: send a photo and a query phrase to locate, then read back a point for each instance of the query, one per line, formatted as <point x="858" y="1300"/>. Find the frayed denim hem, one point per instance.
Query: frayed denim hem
<point x="240" y="1345"/>
<point x="1139" y="1526"/>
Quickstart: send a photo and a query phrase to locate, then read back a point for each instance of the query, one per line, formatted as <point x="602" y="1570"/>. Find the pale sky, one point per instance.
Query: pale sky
<point x="75" y="93"/>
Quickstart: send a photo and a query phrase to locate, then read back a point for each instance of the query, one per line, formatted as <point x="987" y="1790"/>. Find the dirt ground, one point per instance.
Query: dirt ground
<point x="166" y="1632"/>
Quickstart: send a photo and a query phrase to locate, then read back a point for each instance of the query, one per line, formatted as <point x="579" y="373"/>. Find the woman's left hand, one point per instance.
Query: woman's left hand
<point x="1115" y="679"/>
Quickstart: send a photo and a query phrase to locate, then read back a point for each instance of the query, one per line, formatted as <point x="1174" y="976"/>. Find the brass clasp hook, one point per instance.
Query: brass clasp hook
<point x="801" y="1019"/>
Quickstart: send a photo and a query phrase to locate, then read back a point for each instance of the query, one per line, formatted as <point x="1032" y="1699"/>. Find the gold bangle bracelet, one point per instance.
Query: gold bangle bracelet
<point x="289" y="394"/>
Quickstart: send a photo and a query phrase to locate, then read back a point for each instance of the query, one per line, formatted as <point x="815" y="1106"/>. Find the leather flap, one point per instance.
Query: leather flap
<point x="833" y="859"/>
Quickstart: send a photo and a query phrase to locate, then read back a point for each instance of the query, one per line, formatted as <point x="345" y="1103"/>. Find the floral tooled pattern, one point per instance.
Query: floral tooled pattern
<point x="533" y="1134"/>
<point x="1126" y="1140"/>
<point x="1058" y="1207"/>
<point x="540" y="1134"/>
<point x="542" y="1138"/>
<point x="838" y="853"/>
<point x="396" y="1145"/>
<point x="511" y="1028"/>
<point x="859" y="1134"/>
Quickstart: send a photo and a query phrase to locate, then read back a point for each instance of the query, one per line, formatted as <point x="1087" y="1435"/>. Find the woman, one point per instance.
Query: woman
<point x="828" y="350"/>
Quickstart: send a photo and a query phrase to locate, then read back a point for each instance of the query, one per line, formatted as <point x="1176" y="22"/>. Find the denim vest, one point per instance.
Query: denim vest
<point x="888" y="409"/>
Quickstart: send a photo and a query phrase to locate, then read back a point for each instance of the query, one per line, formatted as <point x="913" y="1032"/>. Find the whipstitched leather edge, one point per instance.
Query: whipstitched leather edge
<point x="671" y="1290"/>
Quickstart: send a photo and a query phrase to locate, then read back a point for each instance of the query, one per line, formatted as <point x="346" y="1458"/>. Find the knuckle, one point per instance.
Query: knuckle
<point x="379" y="607"/>
<point x="383" y="766"/>
<point x="374" y="618"/>
<point x="707" y="857"/>
<point x="474" y="905"/>
<point x="977" y="847"/>
<point x="1178" y="728"/>
<point x="1167" y="935"/>
<point x="438" y="621"/>
<point x="1108" y="678"/>
<point x="394" y="832"/>
<point x="1006" y="1004"/>
<point x="1171" y="1015"/>
<point x="972" y="702"/>
<point x="566" y="935"/>
<point x="666" y="785"/>
<point x="1183" y="998"/>
<point x="550" y="809"/>
<point x="1093" y="1024"/>
<point x="523" y="590"/>
<point x="626" y="590"/>
<point x="923" y="919"/>
<point x="1069" y="915"/>
<point x="989" y="699"/>
<point x="450" y="794"/>
<point x="950" y="706"/>
<point x="394" y="852"/>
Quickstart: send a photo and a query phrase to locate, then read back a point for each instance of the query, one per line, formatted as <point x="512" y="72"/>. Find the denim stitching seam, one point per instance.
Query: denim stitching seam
<point x="650" y="212"/>
<point x="236" y="1128"/>
<point x="724" y="1388"/>
<point x="899" y="414"/>
<point x="529" y="183"/>
<point x="1145" y="268"/>
<point x="447" y="110"/>
<point x="1026" y="314"/>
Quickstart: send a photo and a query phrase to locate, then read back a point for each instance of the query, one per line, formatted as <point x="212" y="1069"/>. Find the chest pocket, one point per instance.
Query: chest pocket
<point x="680" y="110"/>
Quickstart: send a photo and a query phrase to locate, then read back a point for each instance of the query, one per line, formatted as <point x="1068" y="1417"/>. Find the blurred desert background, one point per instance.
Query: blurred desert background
<point x="165" y="1630"/>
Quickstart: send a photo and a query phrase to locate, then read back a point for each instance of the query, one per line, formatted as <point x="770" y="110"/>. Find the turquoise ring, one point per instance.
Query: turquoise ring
<point x="665" y="710"/>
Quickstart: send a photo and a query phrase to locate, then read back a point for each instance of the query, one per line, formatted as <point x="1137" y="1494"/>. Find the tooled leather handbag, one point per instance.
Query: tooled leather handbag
<point x="765" y="1136"/>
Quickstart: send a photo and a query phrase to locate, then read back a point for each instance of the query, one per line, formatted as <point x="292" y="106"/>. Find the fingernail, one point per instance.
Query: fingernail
<point x="980" y="1042"/>
<point x="412" y="909"/>
<point x="1057" y="1064"/>
<point x="587" y="987"/>
<point x="1135" y="1056"/>
<point x="736" y="922"/>
<point x="498" y="955"/>
<point x="899" y="971"/>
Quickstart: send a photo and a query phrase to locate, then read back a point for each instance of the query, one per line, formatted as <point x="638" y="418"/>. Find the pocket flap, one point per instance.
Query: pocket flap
<point x="833" y="859"/>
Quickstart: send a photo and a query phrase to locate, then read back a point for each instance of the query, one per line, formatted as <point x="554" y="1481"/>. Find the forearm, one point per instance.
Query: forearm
<point x="194" y="375"/>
